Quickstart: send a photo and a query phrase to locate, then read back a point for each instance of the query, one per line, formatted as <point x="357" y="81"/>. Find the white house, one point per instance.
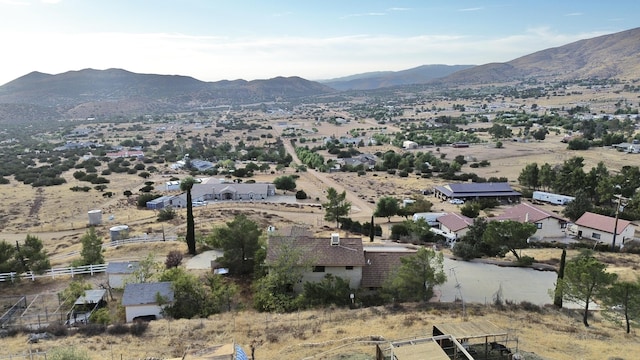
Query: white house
<point x="549" y="225"/>
<point x="140" y="300"/>
<point x="455" y="225"/>
<point x="600" y="228"/>
<point x="119" y="271"/>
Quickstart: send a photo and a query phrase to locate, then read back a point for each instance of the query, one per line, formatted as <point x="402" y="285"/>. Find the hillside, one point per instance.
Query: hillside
<point x="608" y="56"/>
<point x="115" y="92"/>
<point x="377" y="80"/>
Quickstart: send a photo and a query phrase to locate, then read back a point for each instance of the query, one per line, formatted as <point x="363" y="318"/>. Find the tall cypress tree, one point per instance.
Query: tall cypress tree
<point x="372" y="230"/>
<point x="557" y="299"/>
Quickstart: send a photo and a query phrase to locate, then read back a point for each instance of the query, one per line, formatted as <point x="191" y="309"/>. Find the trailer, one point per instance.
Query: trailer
<point x="430" y="217"/>
<point x="552" y="198"/>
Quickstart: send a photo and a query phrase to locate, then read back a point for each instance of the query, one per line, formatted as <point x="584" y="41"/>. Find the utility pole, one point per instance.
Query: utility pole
<point x="615" y="224"/>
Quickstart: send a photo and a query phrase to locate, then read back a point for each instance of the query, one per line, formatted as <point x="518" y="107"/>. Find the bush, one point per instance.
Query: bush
<point x="67" y="353"/>
<point x="118" y="329"/>
<point x="301" y="195"/>
<point x="166" y="214"/>
<point x="101" y="316"/>
<point x="525" y="260"/>
<point x="57" y="330"/>
<point x="138" y="328"/>
<point x="174" y="259"/>
<point x="92" y="329"/>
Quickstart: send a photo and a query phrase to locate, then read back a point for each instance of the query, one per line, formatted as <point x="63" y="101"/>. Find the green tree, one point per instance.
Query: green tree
<point x="530" y="176"/>
<point x="336" y="206"/>
<point x="417" y="275"/>
<point x="471" y="246"/>
<point x="147" y="270"/>
<point x="509" y="235"/>
<point x="576" y="208"/>
<point x="387" y="206"/>
<point x="71" y="293"/>
<point x="91" y="252"/>
<point x="8" y="262"/>
<point x="624" y="297"/>
<point x="275" y="291"/>
<point x="419" y="205"/>
<point x="186" y="185"/>
<point x="546" y="176"/>
<point x="372" y="230"/>
<point x="32" y="255"/>
<point x="585" y="278"/>
<point x="332" y="290"/>
<point x="285" y="183"/>
<point x="557" y="296"/>
<point x="167" y="213"/>
<point x="240" y="240"/>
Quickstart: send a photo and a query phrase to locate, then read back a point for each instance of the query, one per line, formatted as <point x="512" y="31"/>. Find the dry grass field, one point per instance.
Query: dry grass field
<point x="59" y="217"/>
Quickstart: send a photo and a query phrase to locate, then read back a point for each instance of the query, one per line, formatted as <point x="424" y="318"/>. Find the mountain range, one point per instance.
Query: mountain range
<point x="114" y="92"/>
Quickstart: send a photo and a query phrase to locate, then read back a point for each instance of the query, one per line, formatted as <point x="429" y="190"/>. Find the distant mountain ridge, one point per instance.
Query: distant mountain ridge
<point x="380" y="79"/>
<point x="90" y="92"/>
<point x="116" y="92"/>
<point x="608" y="56"/>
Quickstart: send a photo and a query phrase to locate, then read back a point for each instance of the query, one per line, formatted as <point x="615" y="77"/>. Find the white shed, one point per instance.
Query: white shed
<point x="140" y="300"/>
<point x="119" y="271"/>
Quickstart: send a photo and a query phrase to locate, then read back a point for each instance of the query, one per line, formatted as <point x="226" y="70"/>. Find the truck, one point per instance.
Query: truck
<point x="429" y="217"/>
<point x="552" y="198"/>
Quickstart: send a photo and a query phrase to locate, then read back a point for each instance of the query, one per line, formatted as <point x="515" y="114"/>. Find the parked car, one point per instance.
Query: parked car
<point x="456" y="201"/>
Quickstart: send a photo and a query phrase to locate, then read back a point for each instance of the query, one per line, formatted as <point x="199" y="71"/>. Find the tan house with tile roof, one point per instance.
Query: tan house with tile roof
<point x="601" y="228"/>
<point x="455" y="224"/>
<point x="335" y="255"/>
<point x="549" y="225"/>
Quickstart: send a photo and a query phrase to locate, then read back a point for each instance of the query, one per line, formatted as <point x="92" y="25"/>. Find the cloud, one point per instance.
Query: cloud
<point x="14" y="2"/>
<point x="574" y="14"/>
<point x="472" y="9"/>
<point x="53" y="2"/>
<point x="364" y="14"/>
<point x="398" y="9"/>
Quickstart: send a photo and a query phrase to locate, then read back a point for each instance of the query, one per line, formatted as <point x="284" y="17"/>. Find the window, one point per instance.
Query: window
<point x="318" y="269"/>
<point x="349" y="267"/>
<point x="595" y="236"/>
<point x="539" y="225"/>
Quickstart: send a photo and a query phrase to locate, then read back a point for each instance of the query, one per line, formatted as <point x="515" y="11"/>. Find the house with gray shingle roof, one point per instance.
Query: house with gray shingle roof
<point x="600" y="228"/>
<point x="140" y="300"/>
<point x="341" y="257"/>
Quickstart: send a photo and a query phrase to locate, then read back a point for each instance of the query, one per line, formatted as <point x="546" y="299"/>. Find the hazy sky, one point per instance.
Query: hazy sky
<point x="214" y="40"/>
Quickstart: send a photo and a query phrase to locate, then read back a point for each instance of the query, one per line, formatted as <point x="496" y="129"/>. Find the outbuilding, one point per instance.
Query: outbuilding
<point x="140" y="300"/>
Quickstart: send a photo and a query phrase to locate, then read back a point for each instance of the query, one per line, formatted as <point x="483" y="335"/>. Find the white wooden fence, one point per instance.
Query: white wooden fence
<point x="55" y="272"/>
<point x="87" y="269"/>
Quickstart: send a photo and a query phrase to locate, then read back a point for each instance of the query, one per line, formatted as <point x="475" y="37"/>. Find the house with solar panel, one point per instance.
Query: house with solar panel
<point x="500" y="191"/>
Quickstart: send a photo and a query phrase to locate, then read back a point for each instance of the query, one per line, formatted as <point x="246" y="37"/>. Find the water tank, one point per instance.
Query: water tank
<point x="95" y="217"/>
<point x="119" y="232"/>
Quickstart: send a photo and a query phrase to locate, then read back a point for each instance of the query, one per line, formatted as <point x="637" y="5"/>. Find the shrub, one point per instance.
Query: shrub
<point x="67" y="353"/>
<point x="101" y="316"/>
<point x="118" y="329"/>
<point x="174" y="259"/>
<point x="301" y="195"/>
<point x="138" y="328"/>
<point x="92" y="329"/>
<point x="57" y="330"/>
<point x="526" y="260"/>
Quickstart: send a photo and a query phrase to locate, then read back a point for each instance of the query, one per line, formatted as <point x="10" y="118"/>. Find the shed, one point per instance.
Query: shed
<point x="469" y="330"/>
<point x="119" y="271"/>
<point x="85" y="305"/>
<point x="140" y="300"/>
<point x="426" y="350"/>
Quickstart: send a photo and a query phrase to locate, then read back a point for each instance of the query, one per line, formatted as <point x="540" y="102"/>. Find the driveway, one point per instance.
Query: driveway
<point x="203" y="260"/>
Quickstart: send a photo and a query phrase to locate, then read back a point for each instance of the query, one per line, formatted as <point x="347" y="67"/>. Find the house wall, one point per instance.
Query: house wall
<point x="460" y="233"/>
<point x="354" y="276"/>
<point x="551" y="228"/>
<point x="133" y="311"/>
<point x="605" y="237"/>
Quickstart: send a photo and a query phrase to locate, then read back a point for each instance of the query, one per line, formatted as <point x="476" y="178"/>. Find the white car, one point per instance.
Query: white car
<point x="456" y="201"/>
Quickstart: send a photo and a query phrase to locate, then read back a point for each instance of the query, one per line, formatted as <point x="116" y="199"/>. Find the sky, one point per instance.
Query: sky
<point x="214" y="40"/>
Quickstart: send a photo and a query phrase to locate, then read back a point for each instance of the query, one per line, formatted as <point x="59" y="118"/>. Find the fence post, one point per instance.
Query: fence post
<point x="71" y="268"/>
<point x="91" y="269"/>
<point x="33" y="276"/>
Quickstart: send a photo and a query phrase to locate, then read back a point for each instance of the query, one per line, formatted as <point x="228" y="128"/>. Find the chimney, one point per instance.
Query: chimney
<point x="335" y="239"/>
